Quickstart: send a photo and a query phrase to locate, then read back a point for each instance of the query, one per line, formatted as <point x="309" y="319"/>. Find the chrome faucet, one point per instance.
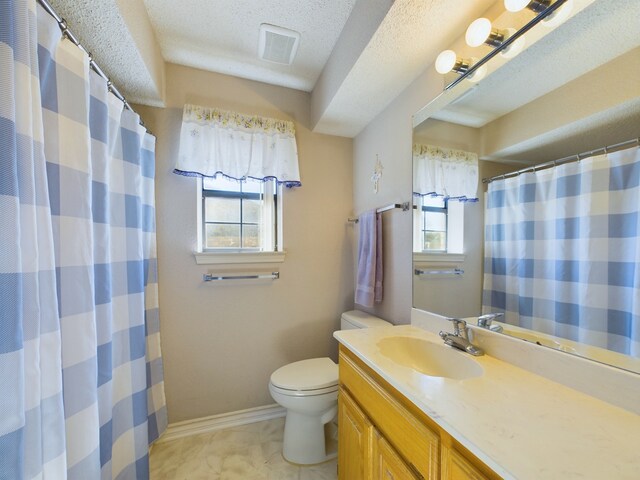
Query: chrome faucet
<point x="485" y="321"/>
<point x="460" y="338"/>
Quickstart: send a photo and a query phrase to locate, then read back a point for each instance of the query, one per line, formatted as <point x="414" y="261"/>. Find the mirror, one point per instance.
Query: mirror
<point x="576" y="89"/>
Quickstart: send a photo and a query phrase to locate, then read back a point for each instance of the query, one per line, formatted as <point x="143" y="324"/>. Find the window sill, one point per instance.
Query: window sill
<point x="224" y="258"/>
<point x="439" y="257"/>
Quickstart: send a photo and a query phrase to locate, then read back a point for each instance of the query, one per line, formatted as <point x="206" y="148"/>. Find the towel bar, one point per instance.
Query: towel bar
<point x="208" y="277"/>
<point x="455" y="271"/>
<point x="405" y="206"/>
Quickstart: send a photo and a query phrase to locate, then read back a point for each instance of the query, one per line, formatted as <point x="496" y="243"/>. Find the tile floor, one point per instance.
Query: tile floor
<point x="248" y="452"/>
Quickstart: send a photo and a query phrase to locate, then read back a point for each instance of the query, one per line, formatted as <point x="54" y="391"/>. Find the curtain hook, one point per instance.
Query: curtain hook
<point x="64" y="27"/>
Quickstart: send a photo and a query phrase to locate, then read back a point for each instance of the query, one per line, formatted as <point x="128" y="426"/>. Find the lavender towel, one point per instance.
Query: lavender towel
<point x="369" y="278"/>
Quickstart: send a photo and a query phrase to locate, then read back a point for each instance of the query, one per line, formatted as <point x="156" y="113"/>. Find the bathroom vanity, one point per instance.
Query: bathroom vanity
<point x="367" y="440"/>
<point x="486" y="419"/>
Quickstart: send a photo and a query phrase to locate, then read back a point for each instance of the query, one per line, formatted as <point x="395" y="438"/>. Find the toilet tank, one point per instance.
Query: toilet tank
<point x="358" y="319"/>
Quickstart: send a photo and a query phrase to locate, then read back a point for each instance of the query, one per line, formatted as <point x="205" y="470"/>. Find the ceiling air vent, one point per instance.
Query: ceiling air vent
<point x="277" y="44"/>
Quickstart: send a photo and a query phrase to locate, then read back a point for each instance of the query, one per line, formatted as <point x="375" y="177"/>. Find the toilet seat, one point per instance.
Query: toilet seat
<point x="315" y="376"/>
<point x="304" y="393"/>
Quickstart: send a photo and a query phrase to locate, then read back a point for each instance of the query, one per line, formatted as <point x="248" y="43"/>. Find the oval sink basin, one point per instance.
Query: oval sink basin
<point x="429" y="358"/>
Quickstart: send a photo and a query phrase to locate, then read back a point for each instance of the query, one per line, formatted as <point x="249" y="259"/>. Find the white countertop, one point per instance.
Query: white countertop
<point x="521" y="425"/>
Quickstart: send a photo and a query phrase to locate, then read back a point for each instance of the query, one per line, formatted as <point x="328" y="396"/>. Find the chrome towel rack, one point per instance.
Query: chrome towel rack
<point x="454" y="271"/>
<point x="405" y="206"/>
<point x="209" y="277"/>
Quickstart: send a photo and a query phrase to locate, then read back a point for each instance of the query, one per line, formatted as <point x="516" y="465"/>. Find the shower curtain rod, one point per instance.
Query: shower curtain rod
<point x="570" y="158"/>
<point x="62" y="23"/>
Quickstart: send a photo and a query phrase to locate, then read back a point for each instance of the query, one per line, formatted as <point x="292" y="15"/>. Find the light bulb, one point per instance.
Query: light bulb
<point x="446" y="61"/>
<point x="478" y="75"/>
<point x="534" y="5"/>
<point x="478" y="32"/>
<point x="516" y="5"/>
<point x="516" y="47"/>
<point x="559" y="16"/>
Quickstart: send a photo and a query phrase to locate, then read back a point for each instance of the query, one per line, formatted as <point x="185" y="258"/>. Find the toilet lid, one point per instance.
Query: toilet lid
<point x="311" y="374"/>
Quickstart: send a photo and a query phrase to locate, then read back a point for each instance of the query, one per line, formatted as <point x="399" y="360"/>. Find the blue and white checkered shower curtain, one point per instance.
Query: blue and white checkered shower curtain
<point x="82" y="392"/>
<point x="562" y="251"/>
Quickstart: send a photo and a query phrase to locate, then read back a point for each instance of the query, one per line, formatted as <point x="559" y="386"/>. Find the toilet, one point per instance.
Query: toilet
<point x="308" y="389"/>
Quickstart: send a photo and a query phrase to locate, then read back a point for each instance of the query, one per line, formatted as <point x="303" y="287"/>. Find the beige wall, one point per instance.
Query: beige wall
<point x="390" y="136"/>
<point x="221" y="342"/>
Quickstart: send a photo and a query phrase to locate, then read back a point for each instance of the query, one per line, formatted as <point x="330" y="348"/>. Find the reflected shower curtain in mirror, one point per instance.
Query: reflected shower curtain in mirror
<point x="80" y="366"/>
<point x="562" y="250"/>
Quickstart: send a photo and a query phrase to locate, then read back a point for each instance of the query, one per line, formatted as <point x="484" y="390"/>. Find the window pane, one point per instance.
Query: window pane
<point x="223" y="236"/>
<point x="221" y="183"/>
<point x="251" y="211"/>
<point x="250" y="236"/>
<point x="252" y="186"/>
<point x="435" y="221"/>
<point x="222" y="209"/>
<point x="435" y="240"/>
<point x="437" y="202"/>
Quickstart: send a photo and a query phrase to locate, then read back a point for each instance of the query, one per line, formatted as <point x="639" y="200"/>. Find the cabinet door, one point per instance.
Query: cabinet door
<point x="456" y="467"/>
<point x="418" y="443"/>
<point x="354" y="440"/>
<point x="387" y="464"/>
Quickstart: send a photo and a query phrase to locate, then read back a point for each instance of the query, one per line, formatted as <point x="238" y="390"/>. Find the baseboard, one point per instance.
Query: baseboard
<point x="218" y="422"/>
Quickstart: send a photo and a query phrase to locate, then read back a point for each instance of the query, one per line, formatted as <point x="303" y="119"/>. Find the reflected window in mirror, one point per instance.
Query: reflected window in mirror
<point x="434" y="224"/>
<point x="439" y="225"/>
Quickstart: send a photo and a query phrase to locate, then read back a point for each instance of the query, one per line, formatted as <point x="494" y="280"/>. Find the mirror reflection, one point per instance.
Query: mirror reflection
<point x="555" y="249"/>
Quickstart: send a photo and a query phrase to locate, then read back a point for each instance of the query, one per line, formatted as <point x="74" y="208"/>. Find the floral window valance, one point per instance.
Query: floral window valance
<point x="445" y="172"/>
<point x="242" y="147"/>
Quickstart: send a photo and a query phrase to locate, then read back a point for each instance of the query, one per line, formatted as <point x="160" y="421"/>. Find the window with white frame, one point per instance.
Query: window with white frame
<point x="240" y="217"/>
<point x="438" y="225"/>
<point x="434" y="224"/>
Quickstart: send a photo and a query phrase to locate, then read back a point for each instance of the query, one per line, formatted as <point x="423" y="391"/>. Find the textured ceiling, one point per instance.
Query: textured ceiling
<point x="120" y="38"/>
<point x="406" y="42"/>
<point x="396" y="41"/>
<point x="222" y="36"/>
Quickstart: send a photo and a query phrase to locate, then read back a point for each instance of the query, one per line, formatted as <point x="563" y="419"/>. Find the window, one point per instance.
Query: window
<point x="434" y="224"/>
<point x="438" y="225"/>
<point x="240" y="216"/>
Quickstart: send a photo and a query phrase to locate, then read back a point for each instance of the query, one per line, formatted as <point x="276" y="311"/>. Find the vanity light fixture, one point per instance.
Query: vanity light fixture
<point x="506" y="43"/>
<point x="539" y="6"/>
<point x="481" y="32"/>
<point x="448" y="61"/>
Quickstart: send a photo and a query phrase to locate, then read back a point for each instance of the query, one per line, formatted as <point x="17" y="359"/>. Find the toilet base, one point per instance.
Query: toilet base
<point x="310" y="439"/>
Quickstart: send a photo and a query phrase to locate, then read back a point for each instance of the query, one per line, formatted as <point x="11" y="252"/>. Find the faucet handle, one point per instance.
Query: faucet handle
<point x="459" y="327"/>
<point x="485" y="320"/>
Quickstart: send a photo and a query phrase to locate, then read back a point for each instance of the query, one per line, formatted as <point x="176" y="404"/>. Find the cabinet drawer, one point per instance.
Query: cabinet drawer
<point x="418" y="444"/>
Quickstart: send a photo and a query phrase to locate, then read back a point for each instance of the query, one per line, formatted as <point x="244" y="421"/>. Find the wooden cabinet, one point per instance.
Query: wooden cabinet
<point x="354" y="439"/>
<point x="455" y="466"/>
<point x="387" y="463"/>
<point x="383" y="435"/>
